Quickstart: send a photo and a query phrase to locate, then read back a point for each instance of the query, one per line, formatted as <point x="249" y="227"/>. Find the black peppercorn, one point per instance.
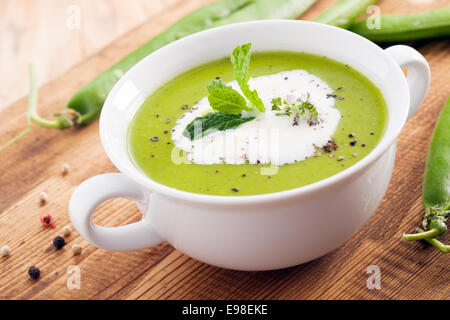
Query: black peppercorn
<point x="34" y="272"/>
<point x="59" y="242"/>
<point x="352" y="143"/>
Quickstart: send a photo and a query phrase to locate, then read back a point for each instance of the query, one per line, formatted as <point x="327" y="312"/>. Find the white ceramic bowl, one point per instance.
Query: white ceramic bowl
<point x="259" y="232"/>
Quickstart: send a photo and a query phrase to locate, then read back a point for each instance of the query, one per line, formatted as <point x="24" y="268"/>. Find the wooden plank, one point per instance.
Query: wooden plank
<point x="40" y="155"/>
<point x="164" y="273"/>
<point x="26" y="26"/>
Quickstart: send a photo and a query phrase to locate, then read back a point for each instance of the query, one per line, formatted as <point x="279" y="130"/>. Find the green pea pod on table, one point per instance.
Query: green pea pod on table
<point x="436" y="185"/>
<point x="268" y="9"/>
<point x="344" y="12"/>
<point x="85" y="105"/>
<point x="397" y="28"/>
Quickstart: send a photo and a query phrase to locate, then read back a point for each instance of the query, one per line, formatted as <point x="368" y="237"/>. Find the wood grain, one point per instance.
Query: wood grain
<point x="39" y="31"/>
<point x="408" y="270"/>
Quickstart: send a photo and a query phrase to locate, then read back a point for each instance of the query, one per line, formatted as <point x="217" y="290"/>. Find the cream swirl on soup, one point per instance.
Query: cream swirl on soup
<point x="271" y="137"/>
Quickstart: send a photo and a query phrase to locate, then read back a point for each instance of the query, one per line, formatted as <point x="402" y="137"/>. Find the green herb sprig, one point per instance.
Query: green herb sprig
<point x="240" y="58"/>
<point x="299" y="109"/>
<point x="213" y="121"/>
<point x="224" y="98"/>
<point x="228" y="103"/>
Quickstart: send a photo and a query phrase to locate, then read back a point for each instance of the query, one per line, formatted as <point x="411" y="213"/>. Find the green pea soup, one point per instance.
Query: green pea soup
<point x="364" y="118"/>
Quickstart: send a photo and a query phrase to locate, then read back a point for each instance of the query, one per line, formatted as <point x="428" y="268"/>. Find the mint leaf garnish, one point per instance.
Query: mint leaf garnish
<point x="224" y="98"/>
<point x="213" y="121"/>
<point x="240" y="58"/>
<point x="227" y="102"/>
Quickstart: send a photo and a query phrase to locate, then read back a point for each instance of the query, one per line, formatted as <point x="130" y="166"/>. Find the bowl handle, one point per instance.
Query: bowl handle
<point x="90" y="194"/>
<point x="418" y="77"/>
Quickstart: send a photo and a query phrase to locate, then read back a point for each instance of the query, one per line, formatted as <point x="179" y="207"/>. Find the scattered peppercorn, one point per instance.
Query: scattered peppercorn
<point x="244" y="175"/>
<point x="43" y="198"/>
<point x="352" y="143"/>
<point x="372" y="133"/>
<point x="76" y="249"/>
<point x="168" y="120"/>
<point x="154" y="139"/>
<point x="235" y="189"/>
<point x="166" y="132"/>
<point x="34" y="272"/>
<point x="363" y="145"/>
<point x="351" y="135"/>
<point x="334" y="96"/>
<point x="66" y="231"/>
<point x="47" y="220"/>
<point x="59" y="242"/>
<point x="185" y="107"/>
<point x="65" y="169"/>
<point x="331" y="145"/>
<point x="217" y="171"/>
<point x="5" y="251"/>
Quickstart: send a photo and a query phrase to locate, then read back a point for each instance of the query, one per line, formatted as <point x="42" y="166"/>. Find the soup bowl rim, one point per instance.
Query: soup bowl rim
<point x="385" y="142"/>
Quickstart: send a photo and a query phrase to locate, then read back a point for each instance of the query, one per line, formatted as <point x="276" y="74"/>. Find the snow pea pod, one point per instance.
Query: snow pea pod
<point x="344" y="12"/>
<point x="394" y="28"/>
<point x="436" y="184"/>
<point x="85" y="105"/>
<point x="268" y="9"/>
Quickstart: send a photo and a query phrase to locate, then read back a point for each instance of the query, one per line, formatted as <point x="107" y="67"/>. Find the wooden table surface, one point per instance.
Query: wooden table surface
<point x="408" y="270"/>
<point x="27" y="25"/>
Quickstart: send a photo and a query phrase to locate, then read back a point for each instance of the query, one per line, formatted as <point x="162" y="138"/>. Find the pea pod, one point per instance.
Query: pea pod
<point x="85" y="105"/>
<point x="344" y="12"/>
<point x="436" y="184"/>
<point x="268" y="9"/>
<point x="393" y="28"/>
